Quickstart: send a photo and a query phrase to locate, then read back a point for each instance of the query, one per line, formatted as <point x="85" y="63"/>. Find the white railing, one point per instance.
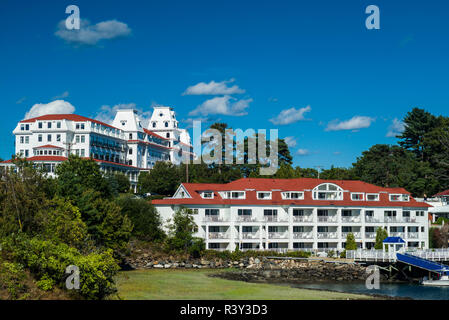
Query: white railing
<point x="302" y="218"/>
<point x="250" y="235"/>
<point x="436" y="255"/>
<point x="397" y="234"/>
<point x="302" y="235"/>
<point x="326" y="249"/>
<point x="413" y="235"/>
<point x="218" y="235"/>
<point x="213" y="219"/>
<point x="277" y="235"/>
<point x="357" y="235"/>
<point x="274" y="219"/>
<point x="350" y="219"/>
<point x="380" y="255"/>
<point x="327" y="219"/>
<point x="327" y="235"/>
<point x="370" y="235"/>
<point x="373" y="220"/>
<point x="246" y="219"/>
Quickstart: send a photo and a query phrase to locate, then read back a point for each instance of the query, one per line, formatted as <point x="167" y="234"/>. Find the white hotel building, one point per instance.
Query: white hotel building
<point x="298" y="214"/>
<point x="124" y="146"/>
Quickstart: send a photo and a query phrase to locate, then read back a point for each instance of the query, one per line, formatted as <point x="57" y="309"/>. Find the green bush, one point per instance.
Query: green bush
<point x="11" y="278"/>
<point x="48" y="261"/>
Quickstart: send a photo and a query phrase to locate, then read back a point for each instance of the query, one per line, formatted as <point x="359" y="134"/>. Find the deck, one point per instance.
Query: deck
<point x="363" y="255"/>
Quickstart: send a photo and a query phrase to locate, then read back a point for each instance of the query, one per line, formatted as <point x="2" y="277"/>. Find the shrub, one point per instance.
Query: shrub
<point x="48" y="260"/>
<point x="11" y="278"/>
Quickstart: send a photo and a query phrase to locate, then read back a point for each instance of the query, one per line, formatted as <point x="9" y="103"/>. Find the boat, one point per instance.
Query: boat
<point x="441" y="281"/>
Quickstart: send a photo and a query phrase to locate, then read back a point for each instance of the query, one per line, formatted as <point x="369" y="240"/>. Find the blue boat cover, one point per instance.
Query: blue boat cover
<point x="393" y="240"/>
<point x="421" y="263"/>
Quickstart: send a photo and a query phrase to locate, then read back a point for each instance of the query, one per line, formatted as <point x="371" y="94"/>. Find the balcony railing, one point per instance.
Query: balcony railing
<point x="302" y="235"/>
<point x="327" y="219"/>
<point x="218" y="235"/>
<point x="370" y="235"/>
<point x="413" y="235"/>
<point x="250" y="235"/>
<point x="397" y="234"/>
<point x="399" y="220"/>
<point x="302" y="218"/>
<point x="357" y="235"/>
<point x="213" y="219"/>
<point x="327" y="235"/>
<point x="373" y="220"/>
<point x="246" y="218"/>
<point x="274" y="219"/>
<point x="350" y="219"/>
<point x="277" y="235"/>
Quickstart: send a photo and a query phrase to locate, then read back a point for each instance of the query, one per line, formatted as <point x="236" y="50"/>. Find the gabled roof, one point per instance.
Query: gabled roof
<point x="48" y="146"/>
<point x="252" y="185"/>
<point x="442" y="193"/>
<point x="70" y="117"/>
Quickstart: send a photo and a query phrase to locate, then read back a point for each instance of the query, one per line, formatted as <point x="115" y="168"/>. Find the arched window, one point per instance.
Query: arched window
<point x="154" y="124"/>
<point x="168" y="134"/>
<point x="166" y="124"/>
<point x="327" y="191"/>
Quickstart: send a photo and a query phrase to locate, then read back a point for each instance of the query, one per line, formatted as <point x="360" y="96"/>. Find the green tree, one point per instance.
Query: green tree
<point x="77" y="175"/>
<point x="143" y="215"/>
<point x="381" y="235"/>
<point x="350" y="242"/>
<point x="181" y="230"/>
<point x="338" y="174"/>
<point x="118" y="182"/>
<point x="163" y="179"/>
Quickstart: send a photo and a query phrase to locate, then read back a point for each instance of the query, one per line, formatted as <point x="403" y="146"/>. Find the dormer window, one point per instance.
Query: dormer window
<point x="264" y="195"/>
<point x="405" y="197"/>
<point x="293" y="195"/>
<point x="327" y="191"/>
<point x="207" y="195"/>
<point x="395" y="197"/>
<point x="233" y="194"/>
<point x="357" y="196"/>
<point x="372" y="197"/>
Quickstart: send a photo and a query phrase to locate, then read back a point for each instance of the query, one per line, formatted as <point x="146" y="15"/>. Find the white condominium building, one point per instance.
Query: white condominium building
<point x="298" y="214"/>
<point x="124" y="146"/>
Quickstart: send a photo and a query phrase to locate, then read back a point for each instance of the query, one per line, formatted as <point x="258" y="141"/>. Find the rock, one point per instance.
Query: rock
<point x="158" y="266"/>
<point x="167" y="265"/>
<point x="188" y="265"/>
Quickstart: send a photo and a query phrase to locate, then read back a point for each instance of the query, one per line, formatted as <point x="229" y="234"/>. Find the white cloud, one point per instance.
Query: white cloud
<point x="291" y="115"/>
<point x="302" y="152"/>
<point x="290" y="141"/>
<point x="222" y="105"/>
<point x="54" y="107"/>
<point x="21" y="100"/>
<point x="213" y="88"/>
<point x="396" y="128"/>
<point x="91" y="34"/>
<point x="63" y="95"/>
<point x="355" y="123"/>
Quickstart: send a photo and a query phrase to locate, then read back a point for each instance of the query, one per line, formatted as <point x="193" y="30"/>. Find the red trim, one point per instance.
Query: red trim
<point x="154" y="134"/>
<point x="71" y="117"/>
<point x="48" y="146"/>
<point x="442" y="193"/>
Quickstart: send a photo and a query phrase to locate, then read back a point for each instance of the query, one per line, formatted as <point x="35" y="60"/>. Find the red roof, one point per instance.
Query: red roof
<point x="251" y="185"/>
<point x="442" y="193"/>
<point x="71" y="117"/>
<point x="48" y="146"/>
<point x="151" y="133"/>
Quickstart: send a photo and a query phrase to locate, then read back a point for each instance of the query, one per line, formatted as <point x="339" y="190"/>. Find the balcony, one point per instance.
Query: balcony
<point x="327" y="219"/>
<point x="245" y="219"/>
<point x="302" y="218"/>
<point x="354" y="219"/>
<point x="302" y="235"/>
<point x="413" y="235"/>
<point x="213" y="219"/>
<point x="357" y="235"/>
<point x="397" y="234"/>
<point x="327" y="235"/>
<point x="250" y="235"/>
<point x="277" y="235"/>
<point x="373" y="220"/>
<point x="273" y="219"/>
<point x="400" y="220"/>
<point x="370" y="235"/>
<point x="218" y="235"/>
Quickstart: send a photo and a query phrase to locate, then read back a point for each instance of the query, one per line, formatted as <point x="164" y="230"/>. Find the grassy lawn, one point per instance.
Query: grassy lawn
<point x="173" y="284"/>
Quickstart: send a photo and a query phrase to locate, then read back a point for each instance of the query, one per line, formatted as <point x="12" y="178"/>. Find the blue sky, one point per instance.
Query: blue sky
<point x="310" y="66"/>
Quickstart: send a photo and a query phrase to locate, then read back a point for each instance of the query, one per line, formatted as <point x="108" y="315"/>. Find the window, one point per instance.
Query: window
<point x="26" y="153"/>
<point x="21" y="139"/>
<point x="405" y="197"/>
<point x="298" y="229"/>
<point x="264" y="195"/>
<point x="58" y="137"/>
<point x="357" y="196"/>
<point x="168" y="135"/>
<point x="395" y="197"/>
<point x="39" y="138"/>
<point x="166" y="124"/>
<point x="82" y="153"/>
<point x="130" y="151"/>
<point x="298" y="212"/>
<point x="406" y="214"/>
<point x="327" y="191"/>
<point x="244" y="212"/>
<point x="346" y="213"/>
<point x="294" y="195"/>
<point x="49" y="138"/>
<point x="208" y="195"/>
<point x="233" y="195"/>
<point x="22" y="127"/>
<point x="270" y="212"/>
<point x="211" y="212"/>
<point x="58" y="124"/>
<point x="372" y="197"/>
<point x="195" y="211"/>
<point x="130" y="136"/>
<point x="39" y="125"/>
<point x="82" y="126"/>
<point x="27" y="139"/>
<point x="49" y="125"/>
<point x="83" y="139"/>
<point x="369" y="213"/>
<point x="323" y="213"/>
<point x="390" y="213"/>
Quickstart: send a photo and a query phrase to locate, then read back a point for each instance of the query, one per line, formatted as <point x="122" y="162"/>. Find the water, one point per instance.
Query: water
<point x="413" y="291"/>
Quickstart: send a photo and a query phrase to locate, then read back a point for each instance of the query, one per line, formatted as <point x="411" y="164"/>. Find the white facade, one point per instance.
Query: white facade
<point x="261" y="219"/>
<point x="125" y="146"/>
